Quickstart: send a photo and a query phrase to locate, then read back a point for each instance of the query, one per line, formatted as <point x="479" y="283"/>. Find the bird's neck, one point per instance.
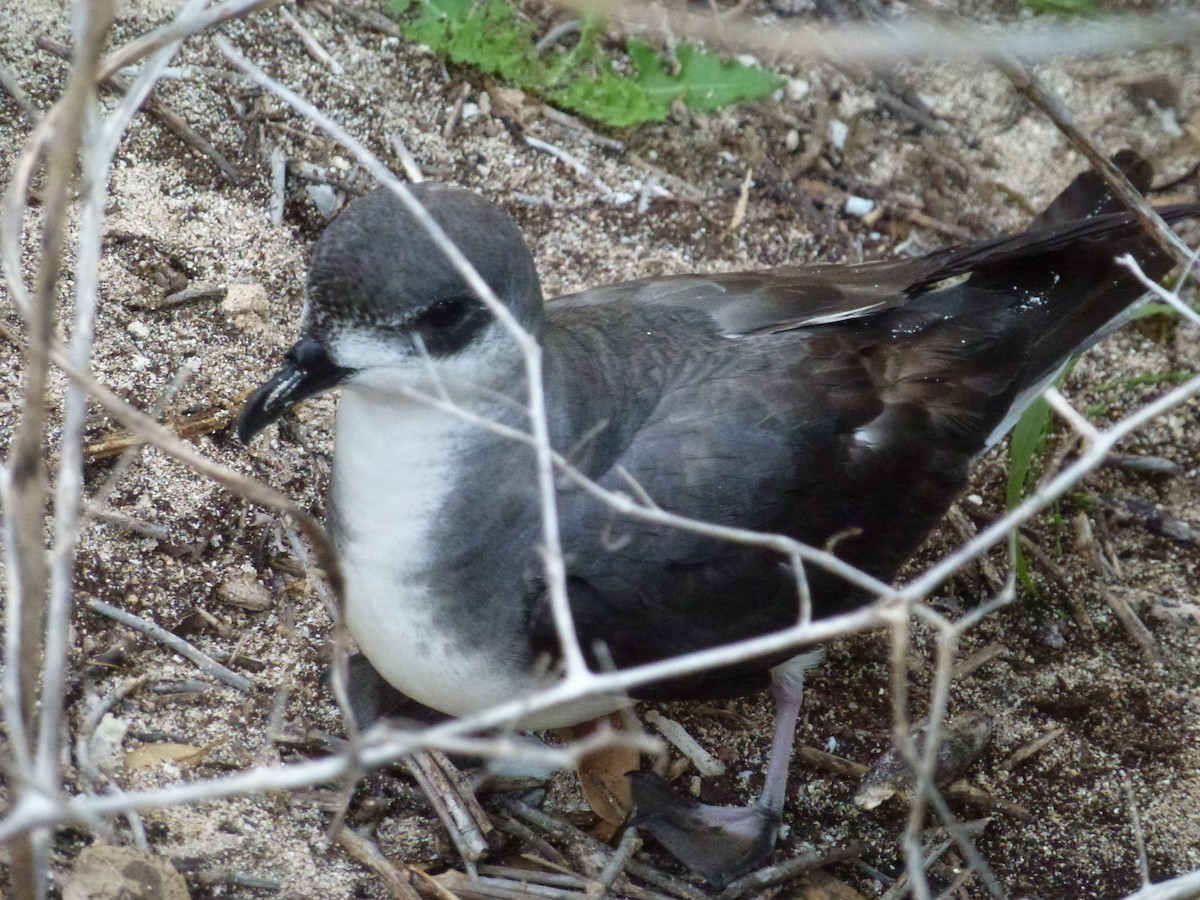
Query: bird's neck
<point x="393" y="467"/>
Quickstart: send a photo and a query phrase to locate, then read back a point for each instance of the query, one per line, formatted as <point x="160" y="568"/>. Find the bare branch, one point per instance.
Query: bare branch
<point x="882" y="45"/>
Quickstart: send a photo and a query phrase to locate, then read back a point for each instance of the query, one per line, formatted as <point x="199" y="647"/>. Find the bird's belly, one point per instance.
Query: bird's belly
<point x="394" y="470"/>
<point x="401" y="630"/>
<point x="396" y="626"/>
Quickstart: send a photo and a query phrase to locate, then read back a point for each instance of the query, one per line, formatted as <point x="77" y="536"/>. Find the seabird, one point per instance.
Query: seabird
<point x="841" y="401"/>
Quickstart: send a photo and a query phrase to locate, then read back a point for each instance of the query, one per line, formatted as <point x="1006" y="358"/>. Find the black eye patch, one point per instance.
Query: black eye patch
<point x="444" y="314"/>
<point x="446" y="326"/>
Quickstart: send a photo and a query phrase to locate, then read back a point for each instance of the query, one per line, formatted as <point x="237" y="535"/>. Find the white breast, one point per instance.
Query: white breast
<point x="393" y="470"/>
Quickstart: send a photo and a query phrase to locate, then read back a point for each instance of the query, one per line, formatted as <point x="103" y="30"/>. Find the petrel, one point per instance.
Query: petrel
<point x="839" y="405"/>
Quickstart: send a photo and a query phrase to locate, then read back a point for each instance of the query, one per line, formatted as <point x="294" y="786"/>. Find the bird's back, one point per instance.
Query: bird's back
<point x="841" y="404"/>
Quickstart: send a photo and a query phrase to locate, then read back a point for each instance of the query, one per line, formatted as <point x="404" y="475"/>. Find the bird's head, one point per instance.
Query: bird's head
<point x="385" y="307"/>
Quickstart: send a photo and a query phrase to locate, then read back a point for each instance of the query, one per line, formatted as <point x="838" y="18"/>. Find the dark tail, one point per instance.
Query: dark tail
<point x="1031" y="301"/>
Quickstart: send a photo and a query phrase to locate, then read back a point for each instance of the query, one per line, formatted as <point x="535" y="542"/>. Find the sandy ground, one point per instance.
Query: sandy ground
<point x="173" y="220"/>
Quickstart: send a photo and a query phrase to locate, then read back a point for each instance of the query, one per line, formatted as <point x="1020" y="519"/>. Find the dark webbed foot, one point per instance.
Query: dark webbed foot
<point x="719" y="843"/>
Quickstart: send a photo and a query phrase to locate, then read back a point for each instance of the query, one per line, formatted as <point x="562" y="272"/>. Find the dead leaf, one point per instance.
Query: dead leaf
<point x="243" y="589"/>
<point x="602" y="773"/>
<point x="962" y="740"/>
<point x="148" y="755"/>
<point x="103" y="872"/>
<point x="820" y="885"/>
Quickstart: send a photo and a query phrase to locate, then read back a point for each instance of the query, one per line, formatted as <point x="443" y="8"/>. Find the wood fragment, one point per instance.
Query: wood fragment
<point x="412" y="171"/>
<point x="310" y="42"/>
<point x="455" y="112"/>
<point x="790" y="870"/>
<point x="1154" y="519"/>
<point x="454" y="801"/>
<point x="369" y="18"/>
<point x="1085" y="545"/>
<point x="828" y="762"/>
<point x="579" y="127"/>
<point x="965" y="792"/>
<point x="205" y="662"/>
<point x="12" y="87"/>
<point x="523" y="832"/>
<point x="1079" y="613"/>
<point x="491" y="888"/>
<point x="585" y="853"/>
<point x="190" y="294"/>
<point x="966" y="531"/>
<point x="629" y="845"/>
<point x="743" y="202"/>
<point x="278" y="184"/>
<point x="1133" y="623"/>
<point x="129" y="523"/>
<point x="706" y="764"/>
<point x="367" y="853"/>
<point x="968" y="665"/>
<point x="684" y="189"/>
<point x="1145" y="465"/>
<point x="1032" y="748"/>
<point x="206" y="422"/>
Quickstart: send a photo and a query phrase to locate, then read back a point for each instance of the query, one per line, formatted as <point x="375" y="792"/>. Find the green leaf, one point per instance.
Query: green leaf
<point x="611" y="98"/>
<point x="710" y="82"/>
<point x="1024" y="446"/>
<point x="1064" y="8"/>
<point x="493" y="36"/>
<point x="704" y="82"/>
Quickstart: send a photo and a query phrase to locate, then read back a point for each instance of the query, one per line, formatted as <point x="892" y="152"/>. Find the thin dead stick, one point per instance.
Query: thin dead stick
<point x="1028" y="85"/>
<point x="1083" y="618"/>
<point x="1032" y="748"/>
<point x="97" y="154"/>
<point x="126" y="521"/>
<point x="790" y="870"/>
<point x="206" y="663"/>
<point x="310" y="42"/>
<point x="455" y="804"/>
<point x="1171" y="298"/>
<point x="13" y="88"/>
<point x="29" y="609"/>
<point x="379" y="747"/>
<point x="913" y="39"/>
<point x="1132" y="623"/>
<point x="159" y="111"/>
<point x="27" y="489"/>
<point x="629" y="845"/>
<point x="367" y="853"/>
